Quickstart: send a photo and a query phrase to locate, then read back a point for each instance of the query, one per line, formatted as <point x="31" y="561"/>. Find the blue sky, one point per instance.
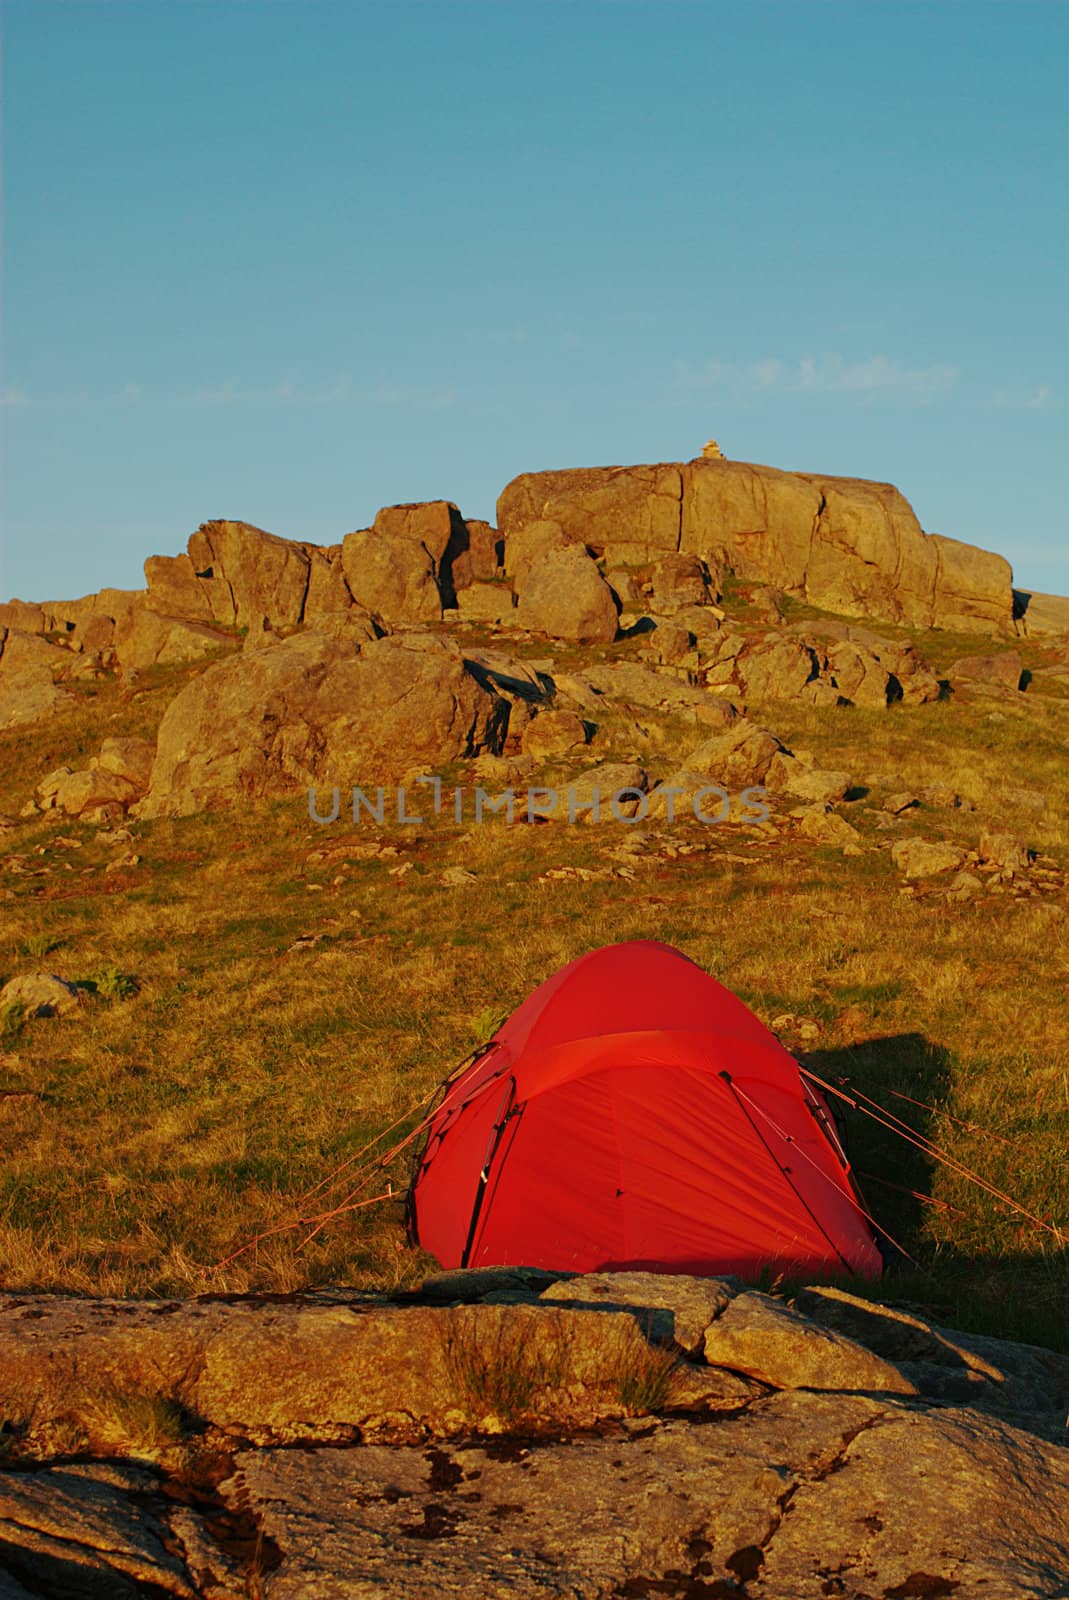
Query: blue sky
<point x="291" y="260"/>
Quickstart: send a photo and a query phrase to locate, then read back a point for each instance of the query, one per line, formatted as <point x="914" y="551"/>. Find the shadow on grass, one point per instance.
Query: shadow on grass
<point x="1007" y="1293"/>
<point x="894" y="1175"/>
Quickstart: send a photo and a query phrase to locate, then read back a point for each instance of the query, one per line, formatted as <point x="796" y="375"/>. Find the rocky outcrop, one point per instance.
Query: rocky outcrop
<point x="309" y="710"/>
<point x="844" y="544"/>
<point x="236" y="575"/>
<point x="504" y="1433"/>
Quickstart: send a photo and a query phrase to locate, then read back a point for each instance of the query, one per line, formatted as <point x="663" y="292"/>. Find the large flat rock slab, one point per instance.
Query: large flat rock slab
<point x="803" y="1496"/>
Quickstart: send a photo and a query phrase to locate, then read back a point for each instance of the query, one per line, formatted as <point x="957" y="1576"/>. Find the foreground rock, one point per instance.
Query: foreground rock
<point x="804" y="1495"/>
<point x="309" y="710"/>
<point x="505" y="1433"/>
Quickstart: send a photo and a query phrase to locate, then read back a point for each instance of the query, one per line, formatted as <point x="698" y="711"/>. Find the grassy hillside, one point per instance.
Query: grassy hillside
<point x="262" y="995"/>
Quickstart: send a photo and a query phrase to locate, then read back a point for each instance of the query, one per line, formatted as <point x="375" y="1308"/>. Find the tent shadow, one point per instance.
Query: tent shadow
<point x="893" y="1174"/>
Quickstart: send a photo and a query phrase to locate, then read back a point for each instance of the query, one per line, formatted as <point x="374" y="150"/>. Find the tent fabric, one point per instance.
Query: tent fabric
<point x="633" y="1113"/>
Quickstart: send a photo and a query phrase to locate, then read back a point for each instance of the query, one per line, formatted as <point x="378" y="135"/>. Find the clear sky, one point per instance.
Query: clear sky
<point x="291" y="260"/>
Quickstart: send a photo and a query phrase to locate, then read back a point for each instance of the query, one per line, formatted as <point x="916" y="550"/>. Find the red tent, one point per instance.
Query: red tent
<point x="634" y="1113"/>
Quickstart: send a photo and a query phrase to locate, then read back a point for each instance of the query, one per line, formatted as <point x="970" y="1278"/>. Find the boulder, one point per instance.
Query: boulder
<point x="817" y="784"/>
<point x="764" y="518"/>
<point x="1039" y="614"/>
<point x="480" y="559"/>
<point x="964" y="886"/>
<point x="86" y="790"/>
<point x="21" y="616"/>
<point x="591" y="794"/>
<point x="249" y="574"/>
<point x="926" y="858"/>
<point x="46" y="790"/>
<point x="328" y="592"/>
<point x="868" y="668"/>
<point x="28" y="687"/>
<point x="946" y="798"/>
<point x="678" y="580"/>
<point x="626" y="586"/>
<point x="670" y="641"/>
<point x="553" y="733"/>
<point x="174" y="589"/>
<point x="858" y="675"/>
<point x="737" y="759"/>
<point x="145" y="638"/>
<point x="582" y="693"/>
<point x="632" y="513"/>
<point x="279" y="1371"/>
<point x="767" y="1340"/>
<point x="130" y="759"/>
<point x="774" y="668"/>
<point x="670" y="1305"/>
<point x="1003" y="670"/>
<point x="486" y="602"/>
<point x="40" y="994"/>
<point x="564" y="595"/>
<point x="392" y="575"/>
<point x="350" y="626"/>
<point x="94" y="636"/>
<point x="1004" y="850"/>
<point x="901" y="801"/>
<point x="971" y="588"/>
<point x="704" y="622"/>
<point x="998" y="1375"/>
<point x="631" y="683"/>
<point x="531" y="543"/>
<point x="824" y="826"/>
<point x="434" y="524"/>
<point x="305" y="712"/>
<point x="68" y="620"/>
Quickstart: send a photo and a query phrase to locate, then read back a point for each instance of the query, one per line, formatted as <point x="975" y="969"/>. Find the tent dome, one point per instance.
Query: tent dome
<point x="633" y="1113"/>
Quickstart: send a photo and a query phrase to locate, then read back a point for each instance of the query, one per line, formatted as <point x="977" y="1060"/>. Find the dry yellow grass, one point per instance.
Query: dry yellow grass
<point x="145" y="1138"/>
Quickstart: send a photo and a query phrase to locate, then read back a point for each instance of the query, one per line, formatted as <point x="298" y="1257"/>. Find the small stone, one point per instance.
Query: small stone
<point x="963" y="886"/>
<point x="896" y="804"/>
<point x="552" y="733"/>
<point x="923" y="858"/>
<point x="1005" y="850"/>
<point x="41" y="994"/>
<point x="456" y="877"/>
<point x="824" y="826"/>
<point x="819" y="784"/>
